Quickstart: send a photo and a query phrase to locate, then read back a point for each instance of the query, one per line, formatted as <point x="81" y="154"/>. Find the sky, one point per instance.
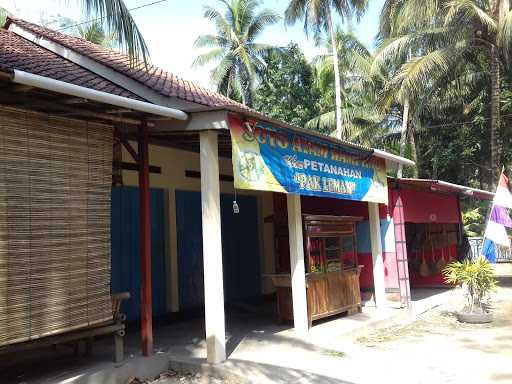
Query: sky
<point x="170" y="28"/>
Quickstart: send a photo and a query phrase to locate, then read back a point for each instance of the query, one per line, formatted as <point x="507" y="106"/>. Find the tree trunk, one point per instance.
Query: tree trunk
<point x="337" y="78"/>
<point x="414" y="153"/>
<point x="503" y="8"/>
<point x="403" y="136"/>
<point x="495" y="115"/>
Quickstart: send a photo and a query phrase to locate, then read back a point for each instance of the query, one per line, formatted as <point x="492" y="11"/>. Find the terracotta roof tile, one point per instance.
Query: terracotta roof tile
<point x="18" y="53"/>
<point x="153" y="77"/>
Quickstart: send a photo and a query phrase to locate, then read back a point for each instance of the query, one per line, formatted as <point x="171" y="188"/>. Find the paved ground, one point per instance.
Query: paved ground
<point x="433" y="349"/>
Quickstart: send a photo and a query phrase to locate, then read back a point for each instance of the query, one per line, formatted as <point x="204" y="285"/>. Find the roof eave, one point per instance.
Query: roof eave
<point x="445" y="186"/>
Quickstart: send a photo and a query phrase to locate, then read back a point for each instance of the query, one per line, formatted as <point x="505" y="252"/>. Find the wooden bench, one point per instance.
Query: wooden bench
<point x="114" y="327"/>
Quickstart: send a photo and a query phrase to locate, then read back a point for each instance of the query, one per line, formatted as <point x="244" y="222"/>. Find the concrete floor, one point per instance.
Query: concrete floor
<point x="256" y="346"/>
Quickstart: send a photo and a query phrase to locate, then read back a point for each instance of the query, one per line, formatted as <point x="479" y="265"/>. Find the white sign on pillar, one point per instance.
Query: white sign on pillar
<point x="298" y="273"/>
<point x="377" y="256"/>
<point x="212" y="249"/>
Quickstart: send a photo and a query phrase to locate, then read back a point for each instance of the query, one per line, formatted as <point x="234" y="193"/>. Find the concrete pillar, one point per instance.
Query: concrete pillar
<point x="377" y="256"/>
<point x="298" y="273"/>
<point x="212" y="249"/>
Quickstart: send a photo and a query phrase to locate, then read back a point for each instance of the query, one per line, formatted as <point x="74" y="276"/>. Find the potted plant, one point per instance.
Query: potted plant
<point x="477" y="277"/>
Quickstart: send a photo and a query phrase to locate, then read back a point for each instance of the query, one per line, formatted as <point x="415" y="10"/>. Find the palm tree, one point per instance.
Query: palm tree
<point x="317" y="16"/>
<point x="397" y="18"/>
<point x="445" y="37"/>
<point x="234" y="47"/>
<point x="361" y="120"/>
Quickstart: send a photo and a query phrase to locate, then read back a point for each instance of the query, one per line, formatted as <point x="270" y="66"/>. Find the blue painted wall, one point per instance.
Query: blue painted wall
<point x="125" y="249"/>
<point x="364" y="244"/>
<point x="240" y="247"/>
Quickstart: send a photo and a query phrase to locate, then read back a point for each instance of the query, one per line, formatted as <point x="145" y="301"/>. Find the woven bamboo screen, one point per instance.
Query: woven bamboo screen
<point x="55" y="183"/>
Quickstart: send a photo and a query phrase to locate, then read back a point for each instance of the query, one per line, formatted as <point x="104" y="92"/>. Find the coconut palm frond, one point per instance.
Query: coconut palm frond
<point x="466" y="12"/>
<point x="211" y="41"/>
<point x="261" y="21"/>
<point x="504" y="38"/>
<point x="117" y="18"/>
<point x="356" y="120"/>
<point x="208" y="57"/>
<point x="221" y="23"/>
<point x="398" y="49"/>
<point x="415" y="75"/>
<point x="240" y="58"/>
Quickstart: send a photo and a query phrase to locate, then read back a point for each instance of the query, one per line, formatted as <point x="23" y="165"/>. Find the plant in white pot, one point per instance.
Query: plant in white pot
<point x="477" y="278"/>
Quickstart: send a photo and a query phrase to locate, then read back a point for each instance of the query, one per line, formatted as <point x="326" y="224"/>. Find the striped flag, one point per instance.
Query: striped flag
<point x="499" y="220"/>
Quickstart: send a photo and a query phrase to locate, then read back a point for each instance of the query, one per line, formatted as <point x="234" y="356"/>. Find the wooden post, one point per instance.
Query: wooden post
<point x="377" y="257"/>
<point x="212" y="249"/>
<point x="145" y="243"/>
<point x="298" y="273"/>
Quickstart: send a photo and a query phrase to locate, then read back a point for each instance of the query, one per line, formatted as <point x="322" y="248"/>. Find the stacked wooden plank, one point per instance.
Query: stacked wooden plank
<point x="55" y="183"/>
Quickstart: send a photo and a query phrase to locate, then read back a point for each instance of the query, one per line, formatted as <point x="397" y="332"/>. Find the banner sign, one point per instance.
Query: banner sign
<point x="275" y="159"/>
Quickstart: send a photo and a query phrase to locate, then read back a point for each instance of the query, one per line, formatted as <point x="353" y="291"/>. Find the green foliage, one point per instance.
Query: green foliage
<point x="3" y="16"/>
<point x="95" y="33"/>
<point x="361" y="119"/>
<point x="437" y="55"/>
<point x="316" y="14"/>
<point x="234" y="48"/>
<point x="118" y="20"/>
<point x="476" y="276"/>
<point x="287" y="90"/>
<point x="474" y="221"/>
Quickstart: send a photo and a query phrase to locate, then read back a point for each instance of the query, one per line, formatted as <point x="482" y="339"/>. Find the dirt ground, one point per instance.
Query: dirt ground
<point x="172" y="377"/>
<point x="434" y="349"/>
<point x="447" y="351"/>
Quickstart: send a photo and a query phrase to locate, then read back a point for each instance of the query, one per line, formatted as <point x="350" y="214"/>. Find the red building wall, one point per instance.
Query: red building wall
<point x="423" y="207"/>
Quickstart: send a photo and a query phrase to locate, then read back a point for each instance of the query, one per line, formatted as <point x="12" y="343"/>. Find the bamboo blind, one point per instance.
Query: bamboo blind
<point x="55" y="185"/>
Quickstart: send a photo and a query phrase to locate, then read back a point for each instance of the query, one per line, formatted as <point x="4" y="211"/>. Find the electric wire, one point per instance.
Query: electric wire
<point x="101" y="18"/>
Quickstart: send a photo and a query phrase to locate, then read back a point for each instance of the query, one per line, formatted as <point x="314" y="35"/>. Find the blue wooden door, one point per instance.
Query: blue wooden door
<point x="240" y="249"/>
<point x="126" y="249"/>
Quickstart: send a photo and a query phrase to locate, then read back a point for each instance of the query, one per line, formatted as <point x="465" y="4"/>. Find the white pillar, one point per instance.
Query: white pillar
<point x="212" y="249"/>
<point x="377" y="256"/>
<point x="298" y="273"/>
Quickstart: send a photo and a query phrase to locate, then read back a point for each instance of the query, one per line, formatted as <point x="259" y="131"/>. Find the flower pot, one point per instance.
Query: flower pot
<point x="474" y="317"/>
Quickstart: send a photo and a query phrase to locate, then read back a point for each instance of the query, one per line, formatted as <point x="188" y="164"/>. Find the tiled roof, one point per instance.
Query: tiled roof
<point x="21" y="54"/>
<point x="155" y="78"/>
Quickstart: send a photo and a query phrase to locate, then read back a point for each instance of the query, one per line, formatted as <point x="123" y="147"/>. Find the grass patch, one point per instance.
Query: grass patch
<point x="333" y="353"/>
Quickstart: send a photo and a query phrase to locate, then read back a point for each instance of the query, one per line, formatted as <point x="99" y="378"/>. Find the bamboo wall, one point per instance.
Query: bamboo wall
<point x="55" y="183"/>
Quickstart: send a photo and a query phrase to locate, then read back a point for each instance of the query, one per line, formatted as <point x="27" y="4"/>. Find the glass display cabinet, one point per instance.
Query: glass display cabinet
<point x="330" y="243"/>
<point x="332" y="270"/>
<point x="332" y="278"/>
